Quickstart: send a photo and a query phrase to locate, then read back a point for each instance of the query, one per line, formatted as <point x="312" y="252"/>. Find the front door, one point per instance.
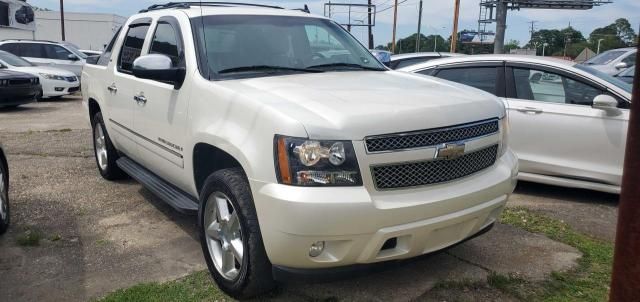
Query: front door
<point x="555" y="130"/>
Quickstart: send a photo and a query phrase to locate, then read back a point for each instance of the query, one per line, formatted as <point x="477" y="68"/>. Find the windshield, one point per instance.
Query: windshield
<point x="611" y="80"/>
<point x="13" y="60"/>
<point x="75" y="51"/>
<point x="605" y="57"/>
<point x="253" y="46"/>
<point x="629" y="72"/>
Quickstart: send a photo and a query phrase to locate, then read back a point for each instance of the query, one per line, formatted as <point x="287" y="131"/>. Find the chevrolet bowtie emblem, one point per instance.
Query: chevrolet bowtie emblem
<point x="450" y="151"/>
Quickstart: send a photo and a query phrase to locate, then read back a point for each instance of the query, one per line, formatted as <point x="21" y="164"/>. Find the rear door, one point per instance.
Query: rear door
<point x="161" y="119"/>
<point x="556" y="132"/>
<point x="62" y="58"/>
<point x="32" y="52"/>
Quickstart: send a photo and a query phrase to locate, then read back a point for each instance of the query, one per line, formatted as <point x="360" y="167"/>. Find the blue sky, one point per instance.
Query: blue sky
<point x="437" y="15"/>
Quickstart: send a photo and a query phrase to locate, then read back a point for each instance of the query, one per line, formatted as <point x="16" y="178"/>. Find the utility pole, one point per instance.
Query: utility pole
<point x="625" y="283"/>
<point x="533" y="30"/>
<point x="62" y="19"/>
<point x="395" y="25"/>
<point x="419" y="27"/>
<point x="454" y="34"/>
<point x="599" y="42"/>
<point x="371" y="46"/>
<point x="501" y="26"/>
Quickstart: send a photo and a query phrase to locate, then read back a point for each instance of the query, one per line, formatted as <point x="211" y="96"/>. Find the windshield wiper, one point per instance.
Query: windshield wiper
<point x="348" y="65"/>
<point x="267" y="68"/>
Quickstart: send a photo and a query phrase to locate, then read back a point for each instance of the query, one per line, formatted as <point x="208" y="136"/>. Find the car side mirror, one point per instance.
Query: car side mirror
<point x="606" y="103"/>
<point x="73" y="57"/>
<point x="621" y="65"/>
<point x="158" y="67"/>
<point x="536" y="78"/>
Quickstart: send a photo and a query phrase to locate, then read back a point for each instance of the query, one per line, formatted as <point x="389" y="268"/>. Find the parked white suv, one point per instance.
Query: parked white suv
<point x="299" y="150"/>
<point x="46" y="53"/>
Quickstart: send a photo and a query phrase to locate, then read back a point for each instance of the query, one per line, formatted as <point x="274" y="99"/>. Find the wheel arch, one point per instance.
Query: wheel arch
<point x="94" y="107"/>
<point x="208" y="159"/>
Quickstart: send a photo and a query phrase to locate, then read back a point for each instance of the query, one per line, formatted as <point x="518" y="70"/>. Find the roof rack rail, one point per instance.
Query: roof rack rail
<point x="198" y="3"/>
<point x="31" y="40"/>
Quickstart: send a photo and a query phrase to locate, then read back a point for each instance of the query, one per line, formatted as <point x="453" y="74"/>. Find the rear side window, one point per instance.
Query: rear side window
<point x="165" y="41"/>
<point x="483" y="78"/>
<point x="409" y="62"/>
<point x="132" y="47"/>
<point x="10" y="47"/>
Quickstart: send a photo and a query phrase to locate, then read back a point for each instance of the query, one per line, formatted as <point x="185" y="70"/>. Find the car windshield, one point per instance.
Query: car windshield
<point x="76" y="51"/>
<point x="239" y="46"/>
<point x="629" y="72"/>
<point x="605" y="57"/>
<point x="13" y="60"/>
<point x="611" y="80"/>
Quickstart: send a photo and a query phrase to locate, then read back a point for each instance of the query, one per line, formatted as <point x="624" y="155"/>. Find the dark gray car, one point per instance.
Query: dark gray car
<point x="4" y="192"/>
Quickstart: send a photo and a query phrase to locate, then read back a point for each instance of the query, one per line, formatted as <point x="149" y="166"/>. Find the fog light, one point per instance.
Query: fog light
<point x="316" y="249"/>
<point x="58" y="89"/>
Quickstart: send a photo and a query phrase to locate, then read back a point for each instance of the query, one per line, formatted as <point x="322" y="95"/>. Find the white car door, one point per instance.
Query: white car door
<point x="162" y="108"/>
<point x="62" y="58"/>
<point x="555" y="130"/>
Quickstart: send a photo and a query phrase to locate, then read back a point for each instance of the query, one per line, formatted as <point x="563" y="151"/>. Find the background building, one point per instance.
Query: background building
<point x="18" y="20"/>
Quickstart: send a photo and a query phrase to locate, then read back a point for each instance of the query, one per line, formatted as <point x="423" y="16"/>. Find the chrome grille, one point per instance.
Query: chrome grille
<point x="431" y="172"/>
<point x="421" y="139"/>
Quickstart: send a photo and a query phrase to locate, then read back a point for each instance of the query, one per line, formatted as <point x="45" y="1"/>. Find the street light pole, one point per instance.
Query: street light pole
<point x="419" y="28"/>
<point x="395" y="25"/>
<point x="599" y="41"/>
<point x="454" y="34"/>
<point x="62" y="19"/>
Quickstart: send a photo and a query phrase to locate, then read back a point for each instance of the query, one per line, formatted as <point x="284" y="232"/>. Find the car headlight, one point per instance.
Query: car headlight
<point x="504" y="135"/>
<point x="52" y="77"/>
<point x="305" y="162"/>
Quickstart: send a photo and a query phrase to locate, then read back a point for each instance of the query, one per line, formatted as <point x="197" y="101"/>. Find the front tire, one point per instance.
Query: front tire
<point x="230" y="236"/>
<point x="104" y="151"/>
<point x="4" y="198"/>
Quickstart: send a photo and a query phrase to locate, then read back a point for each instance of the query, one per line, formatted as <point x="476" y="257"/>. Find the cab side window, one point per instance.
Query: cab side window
<point x="165" y="41"/>
<point x="483" y="78"/>
<point x="132" y="47"/>
<point x="544" y="86"/>
<point x="56" y="52"/>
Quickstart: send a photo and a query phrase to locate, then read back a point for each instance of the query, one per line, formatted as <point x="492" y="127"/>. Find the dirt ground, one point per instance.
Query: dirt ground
<point x="98" y="236"/>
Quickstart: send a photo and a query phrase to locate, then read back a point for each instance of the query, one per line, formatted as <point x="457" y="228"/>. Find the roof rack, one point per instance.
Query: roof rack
<point x="30" y="40"/>
<point x="198" y="3"/>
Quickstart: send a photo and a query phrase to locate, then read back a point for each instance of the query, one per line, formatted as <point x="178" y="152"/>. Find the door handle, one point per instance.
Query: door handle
<point x="140" y="99"/>
<point x="113" y="88"/>
<point x="530" y="110"/>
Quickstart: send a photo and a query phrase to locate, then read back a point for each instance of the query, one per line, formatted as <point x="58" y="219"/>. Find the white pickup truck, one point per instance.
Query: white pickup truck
<point x="300" y="152"/>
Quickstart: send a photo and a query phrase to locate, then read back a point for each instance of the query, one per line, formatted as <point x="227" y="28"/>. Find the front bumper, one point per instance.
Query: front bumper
<point x="55" y="88"/>
<point x="12" y="96"/>
<point x="355" y="223"/>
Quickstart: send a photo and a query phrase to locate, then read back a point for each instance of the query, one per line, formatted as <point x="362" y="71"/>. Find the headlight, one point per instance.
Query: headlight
<point x="52" y="77"/>
<point x="504" y="135"/>
<point x="305" y="162"/>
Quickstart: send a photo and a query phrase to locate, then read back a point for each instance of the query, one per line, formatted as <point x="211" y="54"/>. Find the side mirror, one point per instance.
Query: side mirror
<point x="73" y="57"/>
<point x="621" y="65"/>
<point x="158" y="67"/>
<point x="606" y="103"/>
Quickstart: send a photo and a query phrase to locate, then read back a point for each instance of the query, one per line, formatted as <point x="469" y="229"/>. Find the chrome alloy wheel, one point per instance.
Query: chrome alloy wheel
<point x="224" y="235"/>
<point x="3" y="195"/>
<point x="101" y="147"/>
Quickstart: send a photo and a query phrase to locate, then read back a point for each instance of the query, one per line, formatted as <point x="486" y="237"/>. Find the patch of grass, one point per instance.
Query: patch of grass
<point x="55" y="238"/>
<point x="195" y="287"/>
<point x="29" y="238"/>
<point x="588" y="282"/>
<point x="102" y="242"/>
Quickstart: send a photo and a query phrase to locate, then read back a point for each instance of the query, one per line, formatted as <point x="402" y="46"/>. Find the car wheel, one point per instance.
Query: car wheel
<point x="230" y="236"/>
<point x="105" y="153"/>
<point x="4" y="198"/>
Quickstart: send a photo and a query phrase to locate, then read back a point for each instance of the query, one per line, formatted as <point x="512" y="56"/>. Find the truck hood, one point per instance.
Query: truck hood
<point x="354" y="105"/>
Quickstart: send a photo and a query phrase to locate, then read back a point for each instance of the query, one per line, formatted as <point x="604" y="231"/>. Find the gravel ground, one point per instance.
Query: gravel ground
<point x="98" y="236"/>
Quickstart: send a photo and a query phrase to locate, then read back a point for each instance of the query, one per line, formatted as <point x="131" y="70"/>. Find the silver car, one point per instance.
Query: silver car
<point x="47" y="53"/>
<point x="568" y="121"/>
<point x="4" y="192"/>
<point x="613" y="61"/>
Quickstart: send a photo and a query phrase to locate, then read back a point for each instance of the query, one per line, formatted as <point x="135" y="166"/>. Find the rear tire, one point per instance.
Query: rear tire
<point x="251" y="275"/>
<point x="5" y="218"/>
<point x="105" y="153"/>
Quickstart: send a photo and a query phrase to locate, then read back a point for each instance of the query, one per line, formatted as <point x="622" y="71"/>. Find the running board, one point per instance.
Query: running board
<point x="173" y="196"/>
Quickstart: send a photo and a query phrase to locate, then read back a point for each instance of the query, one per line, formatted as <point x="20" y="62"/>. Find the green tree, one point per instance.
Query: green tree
<point x="427" y="43"/>
<point x="512" y="44"/>
<point x="615" y="35"/>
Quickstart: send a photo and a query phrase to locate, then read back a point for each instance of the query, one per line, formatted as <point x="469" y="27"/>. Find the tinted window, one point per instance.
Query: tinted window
<point x="483" y="78"/>
<point x="543" y="86"/>
<point x="409" y="62"/>
<point x="165" y="42"/>
<point x="132" y="47"/>
<point x="605" y="57"/>
<point x="32" y="50"/>
<point x="56" y="52"/>
<point x="630" y="59"/>
<point x="10" y="47"/>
